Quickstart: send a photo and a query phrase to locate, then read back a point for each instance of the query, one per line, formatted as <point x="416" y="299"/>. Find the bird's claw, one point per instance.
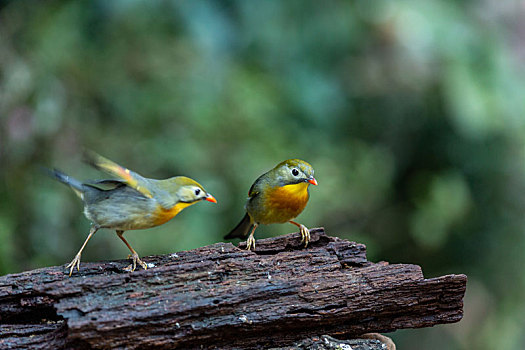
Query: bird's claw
<point x="250" y="242"/>
<point x="73" y="263"/>
<point x="136" y="260"/>
<point x="305" y="234"/>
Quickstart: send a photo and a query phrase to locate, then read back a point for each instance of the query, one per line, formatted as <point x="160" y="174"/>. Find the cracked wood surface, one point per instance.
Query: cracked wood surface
<point x="223" y="296"/>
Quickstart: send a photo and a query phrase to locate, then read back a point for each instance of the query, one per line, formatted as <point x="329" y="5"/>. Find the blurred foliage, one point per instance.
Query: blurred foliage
<point x="411" y="112"/>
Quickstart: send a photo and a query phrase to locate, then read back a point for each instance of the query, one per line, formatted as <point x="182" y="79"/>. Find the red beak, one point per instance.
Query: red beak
<point x="313" y="181"/>
<point x="210" y="198"/>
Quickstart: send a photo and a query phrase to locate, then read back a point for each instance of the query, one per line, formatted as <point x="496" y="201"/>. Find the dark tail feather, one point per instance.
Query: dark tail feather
<point x="242" y="229"/>
<point x="68" y="180"/>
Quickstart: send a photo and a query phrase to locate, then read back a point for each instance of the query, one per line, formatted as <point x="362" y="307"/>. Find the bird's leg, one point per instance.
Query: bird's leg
<point x="305" y="233"/>
<point x="133" y="255"/>
<point x="76" y="260"/>
<point x="251" y="241"/>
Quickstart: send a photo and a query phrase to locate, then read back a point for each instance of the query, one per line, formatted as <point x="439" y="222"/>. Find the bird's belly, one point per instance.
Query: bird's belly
<point x="121" y="218"/>
<point x="131" y="215"/>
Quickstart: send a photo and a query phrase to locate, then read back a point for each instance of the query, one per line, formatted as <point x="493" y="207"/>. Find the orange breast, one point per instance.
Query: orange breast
<point x="285" y="203"/>
<point x="164" y="215"/>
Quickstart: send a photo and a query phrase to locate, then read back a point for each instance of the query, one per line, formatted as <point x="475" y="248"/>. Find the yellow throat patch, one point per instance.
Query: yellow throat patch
<point x="300" y="189"/>
<point x="164" y="215"/>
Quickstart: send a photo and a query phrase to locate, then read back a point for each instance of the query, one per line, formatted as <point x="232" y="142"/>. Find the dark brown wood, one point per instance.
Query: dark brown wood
<point x="222" y="296"/>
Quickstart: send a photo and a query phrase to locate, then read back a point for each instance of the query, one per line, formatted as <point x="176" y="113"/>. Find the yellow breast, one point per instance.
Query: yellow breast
<point x="164" y="215"/>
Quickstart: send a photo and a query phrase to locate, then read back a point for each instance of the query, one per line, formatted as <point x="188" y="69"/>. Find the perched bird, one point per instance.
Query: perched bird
<point x="277" y="196"/>
<point x="131" y="203"/>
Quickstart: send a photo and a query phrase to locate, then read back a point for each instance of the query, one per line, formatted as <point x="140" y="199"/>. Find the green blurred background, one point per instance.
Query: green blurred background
<point x="411" y="112"/>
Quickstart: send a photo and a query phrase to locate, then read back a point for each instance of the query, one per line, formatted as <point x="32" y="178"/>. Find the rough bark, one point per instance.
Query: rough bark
<point x="225" y="297"/>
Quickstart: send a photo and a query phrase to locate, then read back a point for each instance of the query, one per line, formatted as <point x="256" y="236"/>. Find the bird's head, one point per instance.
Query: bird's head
<point x="189" y="191"/>
<point x="294" y="171"/>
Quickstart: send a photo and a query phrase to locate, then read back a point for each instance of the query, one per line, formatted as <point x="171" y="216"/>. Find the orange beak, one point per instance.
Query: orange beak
<point x="210" y="198"/>
<point x="313" y="181"/>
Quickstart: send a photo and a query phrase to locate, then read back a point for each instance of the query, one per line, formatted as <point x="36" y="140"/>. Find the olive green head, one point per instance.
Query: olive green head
<point x="187" y="190"/>
<point x="293" y="171"/>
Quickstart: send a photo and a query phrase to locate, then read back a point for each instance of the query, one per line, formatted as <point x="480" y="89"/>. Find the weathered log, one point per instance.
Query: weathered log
<point x="225" y="297"/>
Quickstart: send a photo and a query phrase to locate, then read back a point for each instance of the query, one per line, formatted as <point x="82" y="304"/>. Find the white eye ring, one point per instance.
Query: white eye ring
<point x="295" y="172"/>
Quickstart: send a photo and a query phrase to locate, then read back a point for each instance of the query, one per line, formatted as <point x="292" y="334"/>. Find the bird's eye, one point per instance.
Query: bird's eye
<point x="197" y="191"/>
<point x="295" y="172"/>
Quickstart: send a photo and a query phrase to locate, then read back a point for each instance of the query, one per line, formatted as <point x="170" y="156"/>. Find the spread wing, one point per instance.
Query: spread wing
<point x="131" y="178"/>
